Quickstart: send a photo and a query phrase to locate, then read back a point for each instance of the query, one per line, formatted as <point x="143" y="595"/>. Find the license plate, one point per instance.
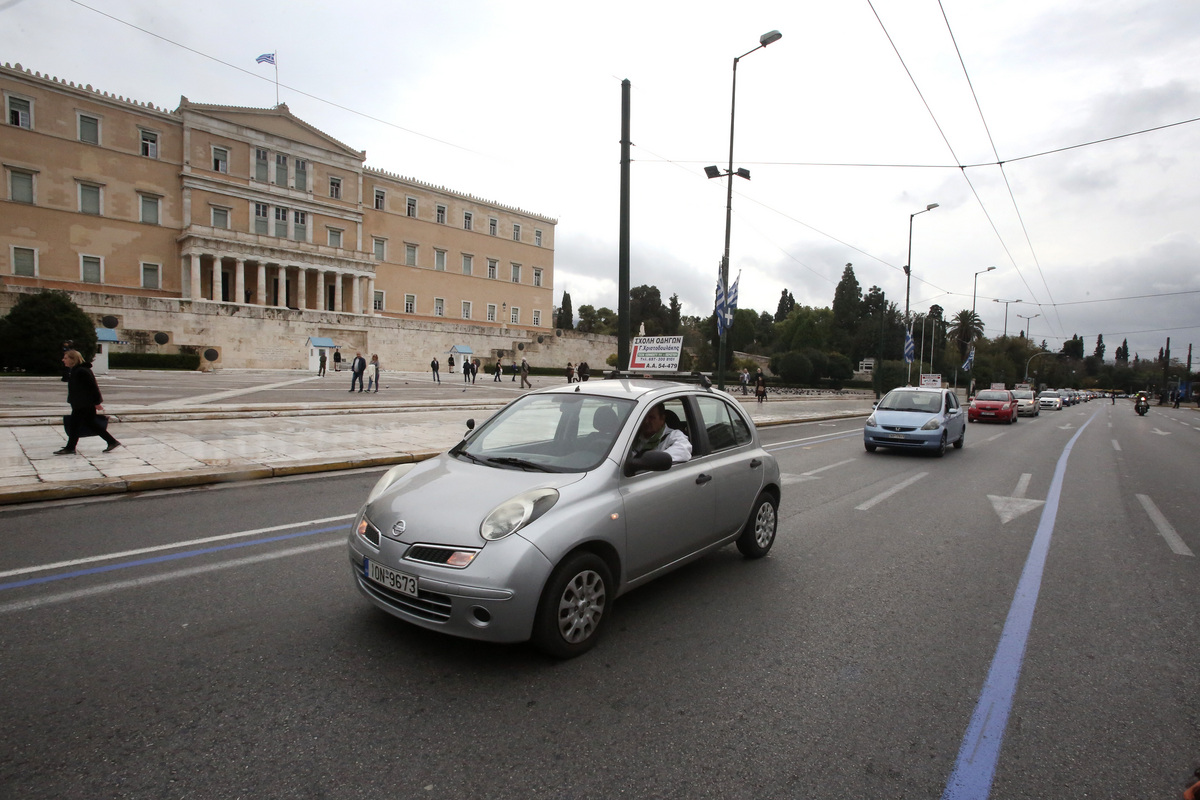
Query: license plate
<point x="989" y="413"/>
<point x="385" y="576"/>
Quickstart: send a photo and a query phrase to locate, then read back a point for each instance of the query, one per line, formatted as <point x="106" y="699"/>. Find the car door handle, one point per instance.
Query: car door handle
<point x="755" y="463"/>
<point x="703" y="478"/>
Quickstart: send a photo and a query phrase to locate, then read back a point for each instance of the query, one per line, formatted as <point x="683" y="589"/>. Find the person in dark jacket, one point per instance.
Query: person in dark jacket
<point x="84" y="397"/>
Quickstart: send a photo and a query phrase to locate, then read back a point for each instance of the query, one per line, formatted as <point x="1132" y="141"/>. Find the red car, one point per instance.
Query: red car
<point x="995" y="405"/>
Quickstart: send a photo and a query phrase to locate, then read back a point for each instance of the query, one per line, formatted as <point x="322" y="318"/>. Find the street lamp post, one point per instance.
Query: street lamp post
<point x="713" y="172"/>
<point x="975" y="291"/>
<point x="908" y="265"/>
<point x="1027" y="326"/>
<point x="1006" y="305"/>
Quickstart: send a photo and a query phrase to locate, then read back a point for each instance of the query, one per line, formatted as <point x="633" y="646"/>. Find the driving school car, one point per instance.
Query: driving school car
<point x="539" y="519"/>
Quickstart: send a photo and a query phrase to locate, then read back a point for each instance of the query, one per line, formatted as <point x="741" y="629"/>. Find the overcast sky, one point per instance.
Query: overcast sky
<point x="858" y="117"/>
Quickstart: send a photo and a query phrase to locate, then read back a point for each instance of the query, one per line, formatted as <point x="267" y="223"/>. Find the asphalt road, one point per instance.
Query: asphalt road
<point x="849" y="663"/>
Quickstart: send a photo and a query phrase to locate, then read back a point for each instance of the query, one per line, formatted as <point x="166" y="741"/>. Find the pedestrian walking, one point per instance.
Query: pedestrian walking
<point x="433" y="365"/>
<point x="357" y="367"/>
<point x="514" y="371"/>
<point x="83" y="395"/>
<point x="321" y="365"/>
<point x="373" y="374"/>
<point x="745" y="380"/>
<point x="474" y="369"/>
<point x="760" y="386"/>
<point x="585" y="371"/>
<point x="570" y="372"/>
<point x="525" y="374"/>
<point x="466" y="370"/>
<point x="497" y="372"/>
<point x="337" y="360"/>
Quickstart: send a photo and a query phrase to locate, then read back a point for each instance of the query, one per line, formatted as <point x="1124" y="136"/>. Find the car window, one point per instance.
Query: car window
<point x="992" y="395"/>
<point x="725" y="427"/>
<point x="928" y="402"/>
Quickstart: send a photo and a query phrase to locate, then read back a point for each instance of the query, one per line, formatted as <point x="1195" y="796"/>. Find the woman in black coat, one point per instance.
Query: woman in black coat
<point x="84" y="397"/>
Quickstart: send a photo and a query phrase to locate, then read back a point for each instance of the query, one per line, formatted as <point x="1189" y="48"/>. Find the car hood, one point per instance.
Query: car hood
<point x="443" y="500"/>
<point x="902" y="419"/>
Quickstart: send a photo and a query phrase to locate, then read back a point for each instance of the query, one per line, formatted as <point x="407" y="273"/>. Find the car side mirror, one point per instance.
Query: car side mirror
<point x="652" y="461"/>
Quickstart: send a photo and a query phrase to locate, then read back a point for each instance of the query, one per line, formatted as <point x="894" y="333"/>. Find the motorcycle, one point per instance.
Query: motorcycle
<point x="1141" y="406"/>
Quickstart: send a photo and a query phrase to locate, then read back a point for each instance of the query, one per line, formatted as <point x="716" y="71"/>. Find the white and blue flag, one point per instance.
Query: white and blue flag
<point x="266" y="58"/>
<point x="970" y="360"/>
<point x="910" y="349"/>
<point x="720" y="308"/>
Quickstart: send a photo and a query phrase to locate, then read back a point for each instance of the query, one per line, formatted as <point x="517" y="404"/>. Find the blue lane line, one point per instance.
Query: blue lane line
<point x="980" y="749"/>
<point x="160" y="559"/>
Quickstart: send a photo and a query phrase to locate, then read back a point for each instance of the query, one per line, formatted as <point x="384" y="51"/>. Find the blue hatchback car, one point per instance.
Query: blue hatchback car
<point x="916" y="418"/>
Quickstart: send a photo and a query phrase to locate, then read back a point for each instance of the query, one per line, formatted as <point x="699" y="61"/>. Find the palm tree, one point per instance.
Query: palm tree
<point x="967" y="328"/>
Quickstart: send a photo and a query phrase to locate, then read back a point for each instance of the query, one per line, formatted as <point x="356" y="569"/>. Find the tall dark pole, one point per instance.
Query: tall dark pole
<point x="623" y="321"/>
<point x="723" y="330"/>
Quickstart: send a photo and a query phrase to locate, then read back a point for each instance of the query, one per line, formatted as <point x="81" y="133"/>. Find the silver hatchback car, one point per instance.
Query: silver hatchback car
<point x="532" y="525"/>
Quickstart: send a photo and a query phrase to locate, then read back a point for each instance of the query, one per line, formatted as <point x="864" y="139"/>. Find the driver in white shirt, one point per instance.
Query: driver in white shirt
<point x="653" y="434"/>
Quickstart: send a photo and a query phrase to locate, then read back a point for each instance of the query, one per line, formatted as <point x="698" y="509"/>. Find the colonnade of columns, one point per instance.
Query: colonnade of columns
<point x="277" y="285"/>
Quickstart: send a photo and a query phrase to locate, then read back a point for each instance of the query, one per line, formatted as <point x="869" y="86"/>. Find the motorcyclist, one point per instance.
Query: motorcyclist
<point x="1141" y="403"/>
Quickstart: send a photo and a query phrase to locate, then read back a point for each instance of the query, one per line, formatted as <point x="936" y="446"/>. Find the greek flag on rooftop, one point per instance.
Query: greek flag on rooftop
<point x="266" y="58"/>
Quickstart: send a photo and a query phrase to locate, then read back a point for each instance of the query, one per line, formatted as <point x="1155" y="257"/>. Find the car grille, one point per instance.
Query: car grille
<point x="433" y="554"/>
<point x="899" y="428"/>
<point x="432" y="606"/>
<point x="899" y="441"/>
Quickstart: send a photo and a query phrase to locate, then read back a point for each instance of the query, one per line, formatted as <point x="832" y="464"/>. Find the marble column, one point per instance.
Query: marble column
<point x="301" y="288"/>
<point x="371" y="296"/>
<point x="215" y="278"/>
<point x="260" y="291"/>
<point x="337" y="292"/>
<point x="239" y="280"/>
<point x="194" y="281"/>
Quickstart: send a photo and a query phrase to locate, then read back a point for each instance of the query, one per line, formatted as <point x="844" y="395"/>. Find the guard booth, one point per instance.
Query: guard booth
<point x="461" y="354"/>
<point x="105" y="338"/>
<point x="316" y="346"/>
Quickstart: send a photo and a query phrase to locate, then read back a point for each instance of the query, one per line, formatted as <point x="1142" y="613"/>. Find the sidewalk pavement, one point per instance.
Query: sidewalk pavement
<point x="198" y="441"/>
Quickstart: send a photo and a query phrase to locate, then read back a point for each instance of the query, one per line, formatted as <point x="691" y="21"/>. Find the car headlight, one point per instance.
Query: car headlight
<point x="933" y="424"/>
<point x="391" y="476"/>
<point x="871" y="421"/>
<point x="512" y="515"/>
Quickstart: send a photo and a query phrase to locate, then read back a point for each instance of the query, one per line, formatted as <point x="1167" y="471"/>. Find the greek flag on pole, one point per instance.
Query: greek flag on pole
<point x="720" y="308"/>
<point x="970" y="360"/>
<point x="909" y="348"/>
<point x="731" y="299"/>
<point x="266" y="58"/>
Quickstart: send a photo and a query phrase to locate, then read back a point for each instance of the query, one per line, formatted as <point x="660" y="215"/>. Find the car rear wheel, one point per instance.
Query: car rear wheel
<point x="759" y="532"/>
<point x="941" y="449"/>
<point x="574" y="606"/>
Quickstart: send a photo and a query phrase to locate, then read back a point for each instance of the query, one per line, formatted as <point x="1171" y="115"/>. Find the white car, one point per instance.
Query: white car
<point x="1027" y="403"/>
<point x="1050" y="399"/>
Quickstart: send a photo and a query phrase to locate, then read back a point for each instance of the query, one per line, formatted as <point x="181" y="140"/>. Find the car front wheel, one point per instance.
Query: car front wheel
<point x="574" y="606"/>
<point x="759" y="532"/>
<point x="941" y="448"/>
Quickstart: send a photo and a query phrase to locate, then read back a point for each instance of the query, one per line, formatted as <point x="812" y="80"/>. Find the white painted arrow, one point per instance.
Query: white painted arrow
<point x="811" y="475"/>
<point x="1009" y="508"/>
<point x="1066" y="427"/>
<point x="1160" y="433"/>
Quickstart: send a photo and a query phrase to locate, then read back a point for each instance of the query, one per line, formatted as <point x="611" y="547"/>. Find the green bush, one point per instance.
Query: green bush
<point x="186" y="361"/>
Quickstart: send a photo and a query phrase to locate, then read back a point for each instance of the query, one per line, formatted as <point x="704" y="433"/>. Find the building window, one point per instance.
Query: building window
<point x="20" y="186"/>
<point x="281" y="220"/>
<point x="301" y="175"/>
<point x="335" y="237"/>
<point x="516" y="273"/>
<point x="377" y="302"/>
<point x="441" y="215"/>
<point x="91" y="269"/>
<point x="439" y="307"/>
<point x="537" y="318"/>
<point x="380" y="249"/>
<point x="492" y="266"/>
<point x="493" y="226"/>
<point x="151" y="276"/>
<point x="150" y="144"/>
<point x="300" y="227"/>
<point x="468" y="220"/>
<point x="220" y="217"/>
<point x="439" y="260"/>
<point x="491" y="312"/>
<point x="537" y="237"/>
<point x="466" y="309"/>
<point x="149" y="209"/>
<point x="262" y="216"/>
<point x="410" y="255"/>
<point x="280" y="169"/>
<point x="335" y="188"/>
<point x="89" y="199"/>
<point x="20" y="112"/>
<point x="516" y="232"/>
<point x="89" y="129"/>
<point x="467" y="264"/>
<point x="220" y="159"/>
<point x="537" y="277"/>
<point x="24" y="262"/>
<point x="410" y="304"/>
<point x="514" y="315"/>
<point x="410" y="207"/>
<point x="261" y="165"/>
<point x="380" y="199"/>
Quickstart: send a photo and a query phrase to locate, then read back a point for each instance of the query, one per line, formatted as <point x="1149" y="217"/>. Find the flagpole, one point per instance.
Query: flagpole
<point x="275" y="61"/>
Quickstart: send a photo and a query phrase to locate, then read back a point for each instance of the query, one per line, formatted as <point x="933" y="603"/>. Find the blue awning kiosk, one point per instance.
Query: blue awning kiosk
<point x="105" y="337"/>
<point x="316" y="346"/>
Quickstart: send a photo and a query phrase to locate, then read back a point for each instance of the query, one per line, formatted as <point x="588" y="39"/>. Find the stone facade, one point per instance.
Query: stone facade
<point x="246" y="231"/>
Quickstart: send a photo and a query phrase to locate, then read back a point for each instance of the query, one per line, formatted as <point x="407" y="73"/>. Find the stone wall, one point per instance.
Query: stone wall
<point x="263" y="337"/>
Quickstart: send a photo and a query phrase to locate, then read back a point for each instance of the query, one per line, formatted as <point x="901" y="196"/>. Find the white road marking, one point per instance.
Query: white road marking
<point x="879" y="498"/>
<point x="1009" y="508"/>
<point x="173" y="546"/>
<point x="1160" y="433"/>
<point x="1164" y="528"/>
<point x="1116" y="445"/>
<point x="811" y="475"/>
<point x="79" y="594"/>
<point x="993" y="438"/>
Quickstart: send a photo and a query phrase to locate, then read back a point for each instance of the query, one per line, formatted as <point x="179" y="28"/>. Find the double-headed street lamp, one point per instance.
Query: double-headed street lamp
<point x="1027" y="318"/>
<point x="908" y="265"/>
<point x="1006" y="305"/>
<point x="975" y="291"/>
<point x="715" y="172"/>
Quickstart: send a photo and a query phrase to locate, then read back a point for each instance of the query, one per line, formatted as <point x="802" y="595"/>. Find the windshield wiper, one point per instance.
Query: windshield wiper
<point x="476" y="459"/>
<point x="519" y="462"/>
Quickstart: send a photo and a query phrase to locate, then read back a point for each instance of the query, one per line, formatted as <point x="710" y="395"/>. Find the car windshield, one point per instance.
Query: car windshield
<point x="1049" y="394"/>
<point x="548" y="433"/>
<point x="1001" y="396"/>
<point x="1023" y="394"/>
<point x="924" y="402"/>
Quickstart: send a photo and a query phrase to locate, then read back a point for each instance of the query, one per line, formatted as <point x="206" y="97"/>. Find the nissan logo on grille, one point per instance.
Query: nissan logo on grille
<point x="398" y="528"/>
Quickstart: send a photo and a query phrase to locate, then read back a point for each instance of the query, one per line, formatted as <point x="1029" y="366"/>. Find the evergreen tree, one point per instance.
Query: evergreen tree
<point x="786" y="304"/>
<point x="847" y="308"/>
<point x="32" y="335"/>
<point x="674" y="316"/>
<point x="566" y="316"/>
<point x="1099" y="352"/>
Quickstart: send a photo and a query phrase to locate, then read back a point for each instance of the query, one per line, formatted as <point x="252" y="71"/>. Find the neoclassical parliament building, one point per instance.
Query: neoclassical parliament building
<point x="257" y="239"/>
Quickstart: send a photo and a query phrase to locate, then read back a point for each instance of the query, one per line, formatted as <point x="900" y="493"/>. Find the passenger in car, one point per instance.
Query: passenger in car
<point x="653" y="434"/>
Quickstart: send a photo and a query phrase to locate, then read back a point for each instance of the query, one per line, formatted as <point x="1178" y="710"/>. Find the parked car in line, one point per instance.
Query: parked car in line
<point x="993" y="405"/>
<point x="1027" y="403"/>
<point x="541" y="517"/>
<point x="1050" y="399"/>
<point x="916" y="418"/>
